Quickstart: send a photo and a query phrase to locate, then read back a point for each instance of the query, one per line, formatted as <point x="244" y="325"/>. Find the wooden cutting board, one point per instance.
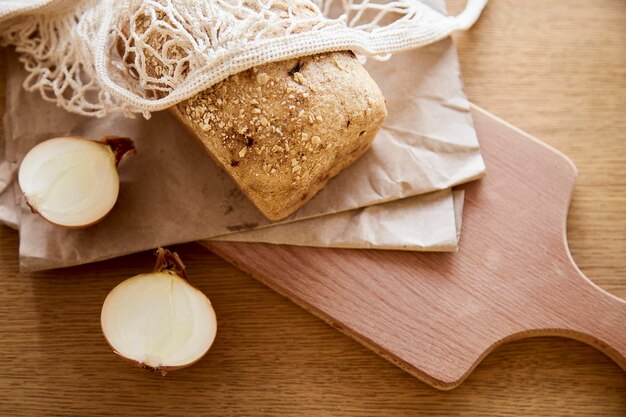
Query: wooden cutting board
<point x="436" y="315"/>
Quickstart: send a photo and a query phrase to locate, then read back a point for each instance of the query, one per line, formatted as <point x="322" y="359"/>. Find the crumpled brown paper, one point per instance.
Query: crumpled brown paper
<point x="8" y="209"/>
<point x="429" y="223"/>
<point x="172" y="191"/>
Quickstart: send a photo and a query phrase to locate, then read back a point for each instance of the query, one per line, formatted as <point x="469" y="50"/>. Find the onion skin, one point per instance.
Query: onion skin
<point x="121" y="146"/>
<point x="163" y="370"/>
<point x="70" y="227"/>
<point x="169" y="262"/>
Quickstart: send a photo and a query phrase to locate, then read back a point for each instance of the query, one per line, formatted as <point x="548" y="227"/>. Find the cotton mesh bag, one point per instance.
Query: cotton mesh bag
<point x="96" y="57"/>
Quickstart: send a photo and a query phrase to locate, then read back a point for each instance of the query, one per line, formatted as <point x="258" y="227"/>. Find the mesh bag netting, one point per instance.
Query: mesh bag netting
<point x="94" y="57"/>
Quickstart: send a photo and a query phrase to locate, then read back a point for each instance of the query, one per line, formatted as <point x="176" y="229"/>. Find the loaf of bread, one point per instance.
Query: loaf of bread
<point x="283" y="129"/>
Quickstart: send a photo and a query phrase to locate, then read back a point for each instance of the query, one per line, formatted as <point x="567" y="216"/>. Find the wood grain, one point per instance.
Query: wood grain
<point x="555" y="69"/>
<point x="437" y="315"/>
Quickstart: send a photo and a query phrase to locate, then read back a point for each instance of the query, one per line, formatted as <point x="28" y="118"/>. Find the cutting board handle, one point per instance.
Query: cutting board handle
<point x="561" y="301"/>
<point x="581" y="310"/>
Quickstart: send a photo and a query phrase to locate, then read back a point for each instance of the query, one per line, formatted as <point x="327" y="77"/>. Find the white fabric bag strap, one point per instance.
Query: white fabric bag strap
<point x="471" y="13"/>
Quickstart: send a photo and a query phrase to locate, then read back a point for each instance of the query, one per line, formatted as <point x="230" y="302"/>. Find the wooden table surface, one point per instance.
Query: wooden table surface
<point x="556" y="70"/>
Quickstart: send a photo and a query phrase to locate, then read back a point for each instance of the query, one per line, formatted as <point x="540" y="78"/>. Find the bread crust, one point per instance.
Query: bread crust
<point x="283" y="129"/>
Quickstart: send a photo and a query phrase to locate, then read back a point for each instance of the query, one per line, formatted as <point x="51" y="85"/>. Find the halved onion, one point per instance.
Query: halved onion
<point x="73" y="181"/>
<point x="159" y="320"/>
